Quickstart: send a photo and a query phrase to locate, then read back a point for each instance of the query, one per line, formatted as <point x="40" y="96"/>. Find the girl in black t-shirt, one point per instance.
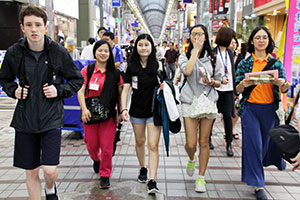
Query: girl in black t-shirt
<point x="141" y="76"/>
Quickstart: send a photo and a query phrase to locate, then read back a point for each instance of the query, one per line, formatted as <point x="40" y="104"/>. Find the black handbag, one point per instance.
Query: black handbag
<point x="286" y="137"/>
<point x="99" y="111"/>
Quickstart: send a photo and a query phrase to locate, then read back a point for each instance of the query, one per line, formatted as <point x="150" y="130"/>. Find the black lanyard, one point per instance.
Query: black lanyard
<point x="224" y="63"/>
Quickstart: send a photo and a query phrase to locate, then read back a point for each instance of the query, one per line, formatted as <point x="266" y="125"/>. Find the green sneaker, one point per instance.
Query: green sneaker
<point x="200" y="184"/>
<point x="190" y="168"/>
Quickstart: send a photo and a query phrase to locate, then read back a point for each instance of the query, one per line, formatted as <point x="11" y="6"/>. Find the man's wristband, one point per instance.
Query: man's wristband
<point x="123" y="110"/>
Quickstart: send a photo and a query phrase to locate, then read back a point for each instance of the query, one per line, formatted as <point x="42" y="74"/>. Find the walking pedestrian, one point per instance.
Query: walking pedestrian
<point x="237" y="59"/>
<point x="225" y="103"/>
<point x="257" y="110"/>
<point x="46" y="74"/>
<point x="198" y="99"/>
<point x="171" y="61"/>
<point x="141" y="76"/>
<point x="105" y="82"/>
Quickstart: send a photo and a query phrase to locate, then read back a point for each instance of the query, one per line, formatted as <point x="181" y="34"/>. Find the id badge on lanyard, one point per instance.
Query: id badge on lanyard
<point x="134" y="83"/>
<point x="94" y="86"/>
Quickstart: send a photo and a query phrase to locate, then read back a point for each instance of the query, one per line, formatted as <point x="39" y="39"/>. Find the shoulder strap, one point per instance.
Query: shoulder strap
<point x="51" y="54"/>
<point x="288" y="120"/>
<point x="90" y="70"/>
<point x="19" y="61"/>
<point x="248" y="90"/>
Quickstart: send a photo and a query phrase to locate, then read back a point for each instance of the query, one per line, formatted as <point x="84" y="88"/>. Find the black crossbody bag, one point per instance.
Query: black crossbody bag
<point x="286" y="137"/>
<point x="100" y="112"/>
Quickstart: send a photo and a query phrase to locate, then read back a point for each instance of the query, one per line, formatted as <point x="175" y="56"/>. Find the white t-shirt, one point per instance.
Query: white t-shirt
<point x="161" y="52"/>
<point x="222" y="62"/>
<point x="87" y="53"/>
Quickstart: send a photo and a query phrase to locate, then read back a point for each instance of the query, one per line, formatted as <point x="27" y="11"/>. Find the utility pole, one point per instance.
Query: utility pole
<point x="49" y="10"/>
<point x="232" y="15"/>
<point x="101" y="12"/>
<point x="119" y="27"/>
<point x="198" y="11"/>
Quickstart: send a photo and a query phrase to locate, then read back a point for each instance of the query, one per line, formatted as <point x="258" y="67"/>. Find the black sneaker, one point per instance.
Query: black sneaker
<point x="52" y="196"/>
<point x="104" y="183"/>
<point x="260" y="194"/>
<point x="152" y="188"/>
<point x="96" y="166"/>
<point x="142" y="178"/>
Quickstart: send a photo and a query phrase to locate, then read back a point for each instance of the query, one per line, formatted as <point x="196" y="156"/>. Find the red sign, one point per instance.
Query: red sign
<point x="210" y="6"/>
<point x="221" y="6"/>
<point x="216" y="6"/>
<point x="258" y="3"/>
<point x="227" y="3"/>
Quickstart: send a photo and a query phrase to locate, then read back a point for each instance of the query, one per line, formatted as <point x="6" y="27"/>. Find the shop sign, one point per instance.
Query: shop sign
<point x="216" y="6"/>
<point x="211" y="6"/>
<point x="258" y="3"/>
<point x="116" y="3"/>
<point x="219" y="23"/>
<point x="292" y="44"/>
<point x="187" y="1"/>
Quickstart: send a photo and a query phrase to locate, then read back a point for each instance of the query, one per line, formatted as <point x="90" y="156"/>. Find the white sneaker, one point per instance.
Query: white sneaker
<point x="200" y="184"/>
<point x="190" y="168"/>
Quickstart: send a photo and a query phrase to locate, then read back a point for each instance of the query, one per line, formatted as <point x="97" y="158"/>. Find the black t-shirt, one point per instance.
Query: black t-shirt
<point x="141" y="100"/>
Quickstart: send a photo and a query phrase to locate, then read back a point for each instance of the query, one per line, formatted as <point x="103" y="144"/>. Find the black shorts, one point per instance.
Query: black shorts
<point x="34" y="150"/>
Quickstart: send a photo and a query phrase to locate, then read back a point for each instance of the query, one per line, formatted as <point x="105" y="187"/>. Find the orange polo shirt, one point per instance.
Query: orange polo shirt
<point x="263" y="93"/>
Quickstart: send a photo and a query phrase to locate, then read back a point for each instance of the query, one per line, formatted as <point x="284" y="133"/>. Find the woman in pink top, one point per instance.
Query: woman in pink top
<point x="105" y="83"/>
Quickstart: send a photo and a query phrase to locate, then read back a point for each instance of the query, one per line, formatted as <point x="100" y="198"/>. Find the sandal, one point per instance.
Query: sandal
<point x="235" y="136"/>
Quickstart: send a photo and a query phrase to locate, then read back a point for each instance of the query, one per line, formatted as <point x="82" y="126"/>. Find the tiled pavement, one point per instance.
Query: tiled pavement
<point x="77" y="180"/>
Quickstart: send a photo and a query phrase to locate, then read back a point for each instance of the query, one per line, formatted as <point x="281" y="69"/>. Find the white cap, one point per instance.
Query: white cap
<point x="70" y="41"/>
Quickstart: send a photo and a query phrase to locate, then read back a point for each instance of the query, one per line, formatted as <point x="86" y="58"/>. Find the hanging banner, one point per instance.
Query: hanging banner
<point x="221" y="6"/>
<point x="227" y="3"/>
<point x="216" y="6"/>
<point x="211" y="6"/>
<point x="292" y="47"/>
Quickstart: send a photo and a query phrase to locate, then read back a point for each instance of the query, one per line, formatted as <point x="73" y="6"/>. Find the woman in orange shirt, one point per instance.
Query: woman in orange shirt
<point x="257" y="110"/>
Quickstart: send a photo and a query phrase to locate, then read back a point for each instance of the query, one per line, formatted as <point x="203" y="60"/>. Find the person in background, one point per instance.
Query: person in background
<point x="237" y="59"/>
<point x="87" y="52"/>
<point x="61" y="38"/>
<point x="71" y="47"/>
<point x="100" y="32"/>
<point x="117" y="52"/>
<point x="199" y="60"/>
<point x="129" y="50"/>
<point x="171" y="61"/>
<point x="99" y="137"/>
<point x="39" y="113"/>
<point x="141" y="76"/>
<point x="225" y="102"/>
<point x="161" y="55"/>
<point x="258" y="110"/>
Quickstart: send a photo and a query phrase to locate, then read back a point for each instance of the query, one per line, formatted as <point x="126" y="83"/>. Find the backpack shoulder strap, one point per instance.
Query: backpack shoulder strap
<point x="51" y="55"/>
<point x="90" y="70"/>
<point x="19" y="59"/>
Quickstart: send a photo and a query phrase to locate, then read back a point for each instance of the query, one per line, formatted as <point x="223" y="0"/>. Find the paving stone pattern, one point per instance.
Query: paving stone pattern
<point x="77" y="180"/>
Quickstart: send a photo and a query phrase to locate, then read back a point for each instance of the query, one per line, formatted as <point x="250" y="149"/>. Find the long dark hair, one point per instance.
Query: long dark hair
<point x="110" y="63"/>
<point x="134" y="61"/>
<point x="206" y="45"/>
<point x="271" y="44"/>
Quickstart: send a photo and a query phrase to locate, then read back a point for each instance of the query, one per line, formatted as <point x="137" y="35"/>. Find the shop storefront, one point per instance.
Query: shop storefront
<point x="66" y="14"/>
<point x="274" y="16"/>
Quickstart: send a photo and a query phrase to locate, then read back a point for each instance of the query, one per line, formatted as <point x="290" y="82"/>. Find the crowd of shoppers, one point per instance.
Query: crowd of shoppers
<point x="213" y="80"/>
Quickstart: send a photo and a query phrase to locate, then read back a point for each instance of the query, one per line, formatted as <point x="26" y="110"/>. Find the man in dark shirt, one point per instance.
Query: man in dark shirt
<point x="129" y="50"/>
<point x="171" y="61"/>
